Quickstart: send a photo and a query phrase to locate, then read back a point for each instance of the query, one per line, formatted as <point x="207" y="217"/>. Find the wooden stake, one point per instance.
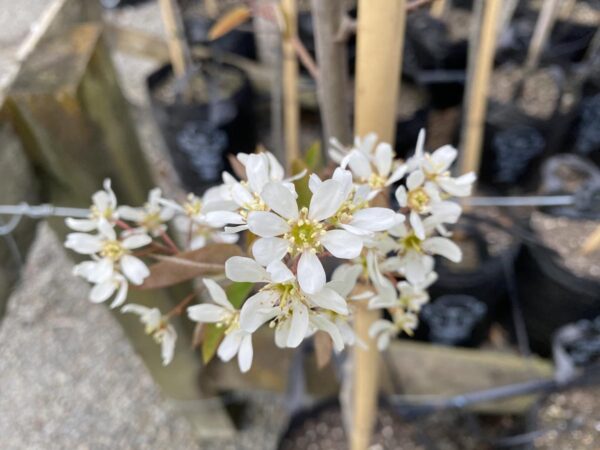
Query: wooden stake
<point x="333" y="62"/>
<point x="178" y="49"/>
<point x="478" y="78"/>
<point x="438" y="8"/>
<point x="291" y="109"/>
<point x="592" y="242"/>
<point x="380" y="38"/>
<point x="508" y="11"/>
<point x="543" y="28"/>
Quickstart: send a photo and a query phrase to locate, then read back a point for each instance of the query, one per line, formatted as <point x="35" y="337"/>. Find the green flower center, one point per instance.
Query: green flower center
<point x="418" y="200"/>
<point x="304" y="234"/>
<point x="112" y="250"/>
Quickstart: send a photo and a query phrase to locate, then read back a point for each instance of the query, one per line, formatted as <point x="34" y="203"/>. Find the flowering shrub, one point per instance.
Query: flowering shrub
<point x="292" y="226"/>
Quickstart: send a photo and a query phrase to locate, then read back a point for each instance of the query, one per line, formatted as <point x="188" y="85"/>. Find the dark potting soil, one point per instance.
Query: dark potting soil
<point x="566" y="236"/>
<point x="572" y="420"/>
<point x="539" y="95"/>
<point x="324" y="431"/>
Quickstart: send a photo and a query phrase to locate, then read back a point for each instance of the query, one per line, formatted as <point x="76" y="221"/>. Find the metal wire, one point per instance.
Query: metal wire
<point x="17" y="212"/>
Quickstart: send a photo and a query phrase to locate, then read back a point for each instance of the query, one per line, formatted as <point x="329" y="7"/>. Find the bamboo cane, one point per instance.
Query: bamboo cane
<point x="291" y="109"/>
<point x="478" y="78"/>
<point x="178" y="49"/>
<point x="543" y="27"/>
<point x="438" y="8"/>
<point x="380" y="38"/>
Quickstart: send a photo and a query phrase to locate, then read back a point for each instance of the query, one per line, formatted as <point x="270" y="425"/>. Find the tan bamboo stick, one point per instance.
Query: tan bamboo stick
<point x="478" y="78"/>
<point x="291" y="109"/>
<point x="178" y="49"/>
<point x="543" y="28"/>
<point x="380" y="38"/>
<point x="438" y="8"/>
<point x="592" y="242"/>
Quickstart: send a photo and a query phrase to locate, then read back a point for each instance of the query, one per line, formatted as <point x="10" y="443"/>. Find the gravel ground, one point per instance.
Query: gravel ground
<point x="69" y="377"/>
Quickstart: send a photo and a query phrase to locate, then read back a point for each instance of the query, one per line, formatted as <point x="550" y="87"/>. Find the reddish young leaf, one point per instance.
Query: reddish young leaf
<point x="184" y="266"/>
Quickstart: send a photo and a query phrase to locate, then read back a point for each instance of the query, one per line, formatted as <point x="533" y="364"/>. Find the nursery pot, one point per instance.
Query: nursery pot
<point x="551" y="295"/>
<point x="455" y="320"/>
<point x="483" y="278"/>
<point x="320" y="427"/>
<point x="202" y="131"/>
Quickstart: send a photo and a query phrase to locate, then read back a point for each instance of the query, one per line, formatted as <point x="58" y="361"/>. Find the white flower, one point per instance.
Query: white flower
<point x="384" y="330"/>
<point x="435" y="167"/>
<point x="303" y="232"/>
<point x="424" y="198"/>
<point x="151" y="218"/>
<point x="222" y="313"/>
<point x="415" y="255"/>
<point x="104" y="208"/>
<point x="112" y="264"/>
<point x="158" y="327"/>
<point x="365" y="145"/>
<point x="282" y="301"/>
<point x="377" y="170"/>
<point x="411" y="296"/>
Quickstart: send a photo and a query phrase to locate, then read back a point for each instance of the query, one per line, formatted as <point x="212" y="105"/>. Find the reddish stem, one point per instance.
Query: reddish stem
<point x="172" y="246"/>
<point x="178" y="310"/>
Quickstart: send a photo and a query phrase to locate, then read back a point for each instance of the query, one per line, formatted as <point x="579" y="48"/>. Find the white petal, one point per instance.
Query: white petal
<point x="420" y="147"/>
<point x="275" y="169"/>
<point x="279" y="272"/>
<point x="281" y="333"/>
<point x="344" y="278"/>
<point x="207" y="312"/>
<point x="167" y="346"/>
<point x="136" y="241"/>
<point x="257" y="310"/>
<point x="257" y="171"/>
<point x="245" y="353"/>
<point x="444" y="247"/>
<point x="129" y="213"/>
<point x="417" y="224"/>
<point x="311" y="275"/>
<point x="217" y="294"/>
<point x="266" y="250"/>
<point x="326" y="201"/>
<point x="230" y="346"/>
<point x="401" y="196"/>
<point x="359" y="164"/>
<point x="324" y="324"/>
<point x="140" y="310"/>
<point x="280" y="199"/>
<point x="107" y="230"/>
<point x="443" y="158"/>
<point x="218" y="219"/>
<point x="102" y="291"/>
<point x="415" y="179"/>
<point x="85" y="244"/>
<point x="384" y="156"/>
<point x="376" y="219"/>
<point x="240" y="195"/>
<point x="80" y="224"/>
<point x="241" y="268"/>
<point x="342" y="244"/>
<point x="298" y="325"/>
<point x="329" y="299"/>
<point x="102" y="271"/>
<point x="134" y="269"/>
<point x="267" y="224"/>
<point x="314" y="182"/>
<point x="121" y="294"/>
<point x="397" y="175"/>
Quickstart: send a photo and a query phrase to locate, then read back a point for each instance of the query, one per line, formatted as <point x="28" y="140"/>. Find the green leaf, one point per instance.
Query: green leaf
<point x="301" y="185"/>
<point x="238" y="292"/>
<point x="314" y="157"/>
<point x="213" y="336"/>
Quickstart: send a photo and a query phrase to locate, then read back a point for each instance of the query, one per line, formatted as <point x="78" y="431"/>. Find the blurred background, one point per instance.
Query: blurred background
<point x="98" y="88"/>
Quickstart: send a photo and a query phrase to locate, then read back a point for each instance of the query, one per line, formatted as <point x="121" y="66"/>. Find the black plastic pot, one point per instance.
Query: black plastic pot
<point x="199" y="135"/>
<point x="487" y="282"/>
<point x="456" y="320"/>
<point x="239" y="41"/>
<point x="552" y="296"/>
<point x="588" y="129"/>
<point x="111" y="4"/>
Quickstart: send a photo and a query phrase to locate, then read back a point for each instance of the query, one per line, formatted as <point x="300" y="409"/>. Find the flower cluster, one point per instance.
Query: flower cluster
<point x="379" y="254"/>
